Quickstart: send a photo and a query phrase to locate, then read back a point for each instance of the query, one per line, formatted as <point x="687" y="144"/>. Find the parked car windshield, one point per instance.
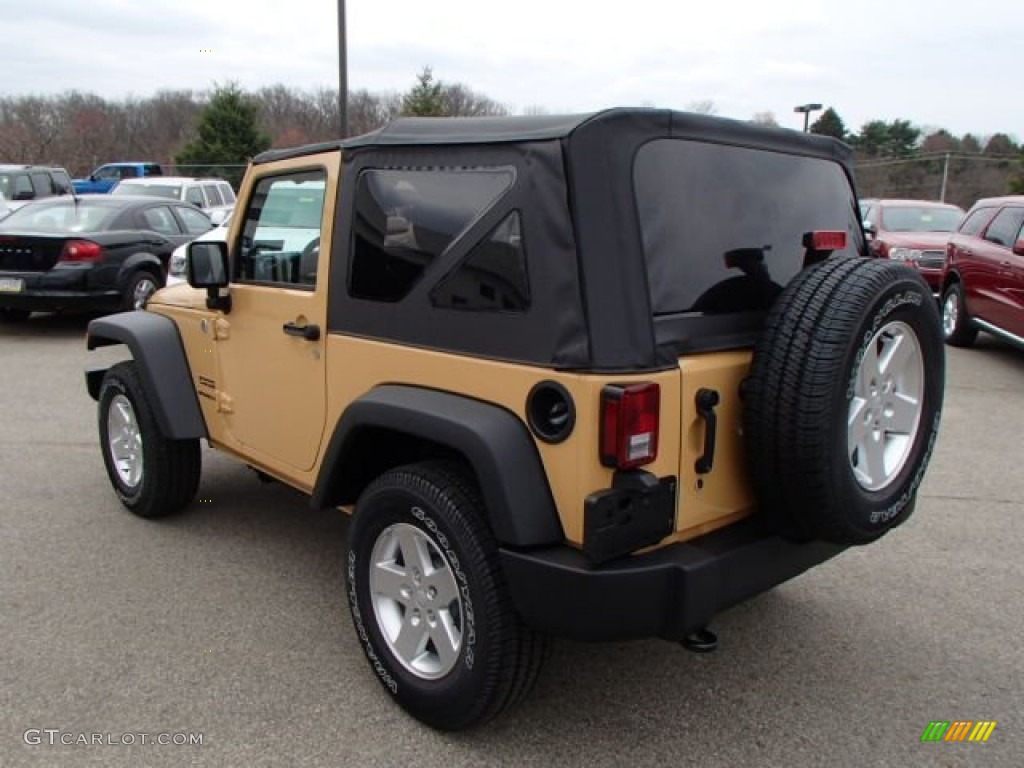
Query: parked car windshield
<point x="714" y="247"/>
<point x="906" y="218"/>
<point x="60" y="217"/>
<point x="171" y="191"/>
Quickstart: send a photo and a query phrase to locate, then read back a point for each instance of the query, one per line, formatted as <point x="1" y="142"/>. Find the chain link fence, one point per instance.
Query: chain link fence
<point x="952" y="177"/>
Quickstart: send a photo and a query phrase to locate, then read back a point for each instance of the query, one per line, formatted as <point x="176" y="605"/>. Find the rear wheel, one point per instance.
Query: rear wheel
<point x="152" y="475"/>
<point x="429" y="603"/>
<point x="844" y="399"/>
<point x="141" y="285"/>
<point x="957" y="329"/>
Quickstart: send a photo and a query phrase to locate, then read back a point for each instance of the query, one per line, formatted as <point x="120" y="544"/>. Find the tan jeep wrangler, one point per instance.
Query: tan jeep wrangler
<point x="598" y="376"/>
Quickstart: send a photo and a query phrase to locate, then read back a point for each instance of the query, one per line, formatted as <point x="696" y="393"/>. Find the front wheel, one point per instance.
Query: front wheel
<point x="429" y="603"/>
<point x="152" y="475"/>
<point x="957" y="329"/>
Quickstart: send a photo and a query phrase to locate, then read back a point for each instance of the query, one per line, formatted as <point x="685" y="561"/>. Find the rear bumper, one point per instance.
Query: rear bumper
<point x="51" y="301"/>
<point x="665" y="593"/>
<point x="67" y="288"/>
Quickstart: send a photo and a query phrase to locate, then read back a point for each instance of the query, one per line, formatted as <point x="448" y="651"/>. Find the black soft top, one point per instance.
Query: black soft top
<point x="608" y="125"/>
<point x="591" y="306"/>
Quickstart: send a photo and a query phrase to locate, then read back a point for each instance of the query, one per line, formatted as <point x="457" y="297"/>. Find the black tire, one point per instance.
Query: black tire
<point x="170" y="469"/>
<point x="499" y="658"/>
<point x="9" y="315"/>
<point x="813" y="359"/>
<point x="957" y="328"/>
<point x="140" y="286"/>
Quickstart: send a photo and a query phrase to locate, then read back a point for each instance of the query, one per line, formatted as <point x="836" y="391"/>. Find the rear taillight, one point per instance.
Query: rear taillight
<point x="825" y="240"/>
<point x="81" y="250"/>
<point x="629" y="424"/>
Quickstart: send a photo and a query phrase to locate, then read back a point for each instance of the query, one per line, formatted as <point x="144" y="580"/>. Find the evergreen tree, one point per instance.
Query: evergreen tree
<point x="227" y="134"/>
<point x="896" y="139"/>
<point x="426" y="99"/>
<point x="829" y="124"/>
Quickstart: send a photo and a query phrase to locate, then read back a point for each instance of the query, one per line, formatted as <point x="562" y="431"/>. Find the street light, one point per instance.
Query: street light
<point x="342" y="69"/>
<point x="807" y="109"/>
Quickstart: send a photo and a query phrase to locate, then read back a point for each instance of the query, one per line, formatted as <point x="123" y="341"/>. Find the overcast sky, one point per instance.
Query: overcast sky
<point x="956" y="66"/>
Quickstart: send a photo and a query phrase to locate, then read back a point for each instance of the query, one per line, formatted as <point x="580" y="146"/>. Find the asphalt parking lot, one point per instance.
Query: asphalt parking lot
<point x="230" y="620"/>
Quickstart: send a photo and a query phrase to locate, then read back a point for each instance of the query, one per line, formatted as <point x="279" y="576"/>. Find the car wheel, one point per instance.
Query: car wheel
<point x="152" y="475"/>
<point x="140" y="287"/>
<point x="429" y="603"/>
<point x="844" y="399"/>
<point x="957" y="328"/>
<point x="8" y="315"/>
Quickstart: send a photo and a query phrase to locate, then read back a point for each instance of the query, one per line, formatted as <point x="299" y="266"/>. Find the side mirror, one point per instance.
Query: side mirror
<point x="1019" y="247"/>
<point x="870" y="229"/>
<point x="207" y="267"/>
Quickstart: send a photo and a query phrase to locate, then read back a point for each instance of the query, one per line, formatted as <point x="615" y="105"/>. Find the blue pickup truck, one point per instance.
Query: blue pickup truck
<point x="105" y="178"/>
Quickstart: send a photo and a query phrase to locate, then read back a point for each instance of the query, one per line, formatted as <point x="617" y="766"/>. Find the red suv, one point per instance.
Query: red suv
<point x="983" y="285"/>
<point x="914" y="231"/>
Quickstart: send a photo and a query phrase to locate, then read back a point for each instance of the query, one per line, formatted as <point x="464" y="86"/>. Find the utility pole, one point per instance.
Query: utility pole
<point x="342" y="69"/>
<point x="945" y="176"/>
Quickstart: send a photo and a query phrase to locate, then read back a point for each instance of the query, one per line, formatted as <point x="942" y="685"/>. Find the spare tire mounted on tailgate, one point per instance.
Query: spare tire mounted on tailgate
<point x="844" y="399"/>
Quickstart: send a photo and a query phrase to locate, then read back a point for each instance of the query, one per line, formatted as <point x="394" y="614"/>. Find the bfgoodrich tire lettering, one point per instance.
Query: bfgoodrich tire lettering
<point x="497" y="658"/>
<point x="155" y="476"/>
<point x="822" y="390"/>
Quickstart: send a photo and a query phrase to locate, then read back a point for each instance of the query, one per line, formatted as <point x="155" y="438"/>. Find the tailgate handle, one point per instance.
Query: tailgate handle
<point x="707" y="399"/>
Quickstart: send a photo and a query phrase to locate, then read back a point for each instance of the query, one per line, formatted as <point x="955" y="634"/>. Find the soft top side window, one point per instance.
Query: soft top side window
<point x="405" y="219"/>
<point x="492" y="277"/>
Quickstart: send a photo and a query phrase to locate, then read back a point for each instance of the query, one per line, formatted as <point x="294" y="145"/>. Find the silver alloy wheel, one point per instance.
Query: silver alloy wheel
<point x="885" y="412"/>
<point x="950" y="313"/>
<point x="144" y="288"/>
<point x="416" y="601"/>
<point x="124" y="440"/>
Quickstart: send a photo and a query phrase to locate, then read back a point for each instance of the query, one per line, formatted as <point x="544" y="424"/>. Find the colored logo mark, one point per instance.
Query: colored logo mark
<point x="958" y="730"/>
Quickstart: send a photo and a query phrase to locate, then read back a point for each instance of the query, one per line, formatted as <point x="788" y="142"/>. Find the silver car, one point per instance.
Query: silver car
<point x="214" y="196"/>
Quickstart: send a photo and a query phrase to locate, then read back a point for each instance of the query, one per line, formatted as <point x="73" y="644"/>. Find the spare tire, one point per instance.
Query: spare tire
<point x="843" y="402"/>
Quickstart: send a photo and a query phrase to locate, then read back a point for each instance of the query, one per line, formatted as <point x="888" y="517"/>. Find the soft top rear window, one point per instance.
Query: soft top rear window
<point x="723" y="226"/>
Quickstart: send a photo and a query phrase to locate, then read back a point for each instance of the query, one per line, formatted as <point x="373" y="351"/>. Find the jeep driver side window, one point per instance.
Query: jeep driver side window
<point x="281" y="237"/>
<point x="405" y="219"/>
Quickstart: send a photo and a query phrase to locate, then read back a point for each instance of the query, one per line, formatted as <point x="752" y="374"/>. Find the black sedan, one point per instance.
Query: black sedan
<point x="94" y="252"/>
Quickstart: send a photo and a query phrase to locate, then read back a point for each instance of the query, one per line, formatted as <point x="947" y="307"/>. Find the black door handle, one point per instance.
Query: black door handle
<point x="707" y="399"/>
<point x="307" y="332"/>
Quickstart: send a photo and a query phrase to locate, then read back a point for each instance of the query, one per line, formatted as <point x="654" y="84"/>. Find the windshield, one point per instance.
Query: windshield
<point x="59" y="217"/>
<point x="171" y="191"/>
<point x="907" y="218"/>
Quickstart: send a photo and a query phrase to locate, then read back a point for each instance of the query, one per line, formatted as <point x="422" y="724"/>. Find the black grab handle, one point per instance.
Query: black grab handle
<point x="707" y="399"/>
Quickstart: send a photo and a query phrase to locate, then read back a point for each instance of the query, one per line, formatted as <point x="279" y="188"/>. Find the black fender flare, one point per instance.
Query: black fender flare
<point x="494" y="441"/>
<point x="156" y="345"/>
